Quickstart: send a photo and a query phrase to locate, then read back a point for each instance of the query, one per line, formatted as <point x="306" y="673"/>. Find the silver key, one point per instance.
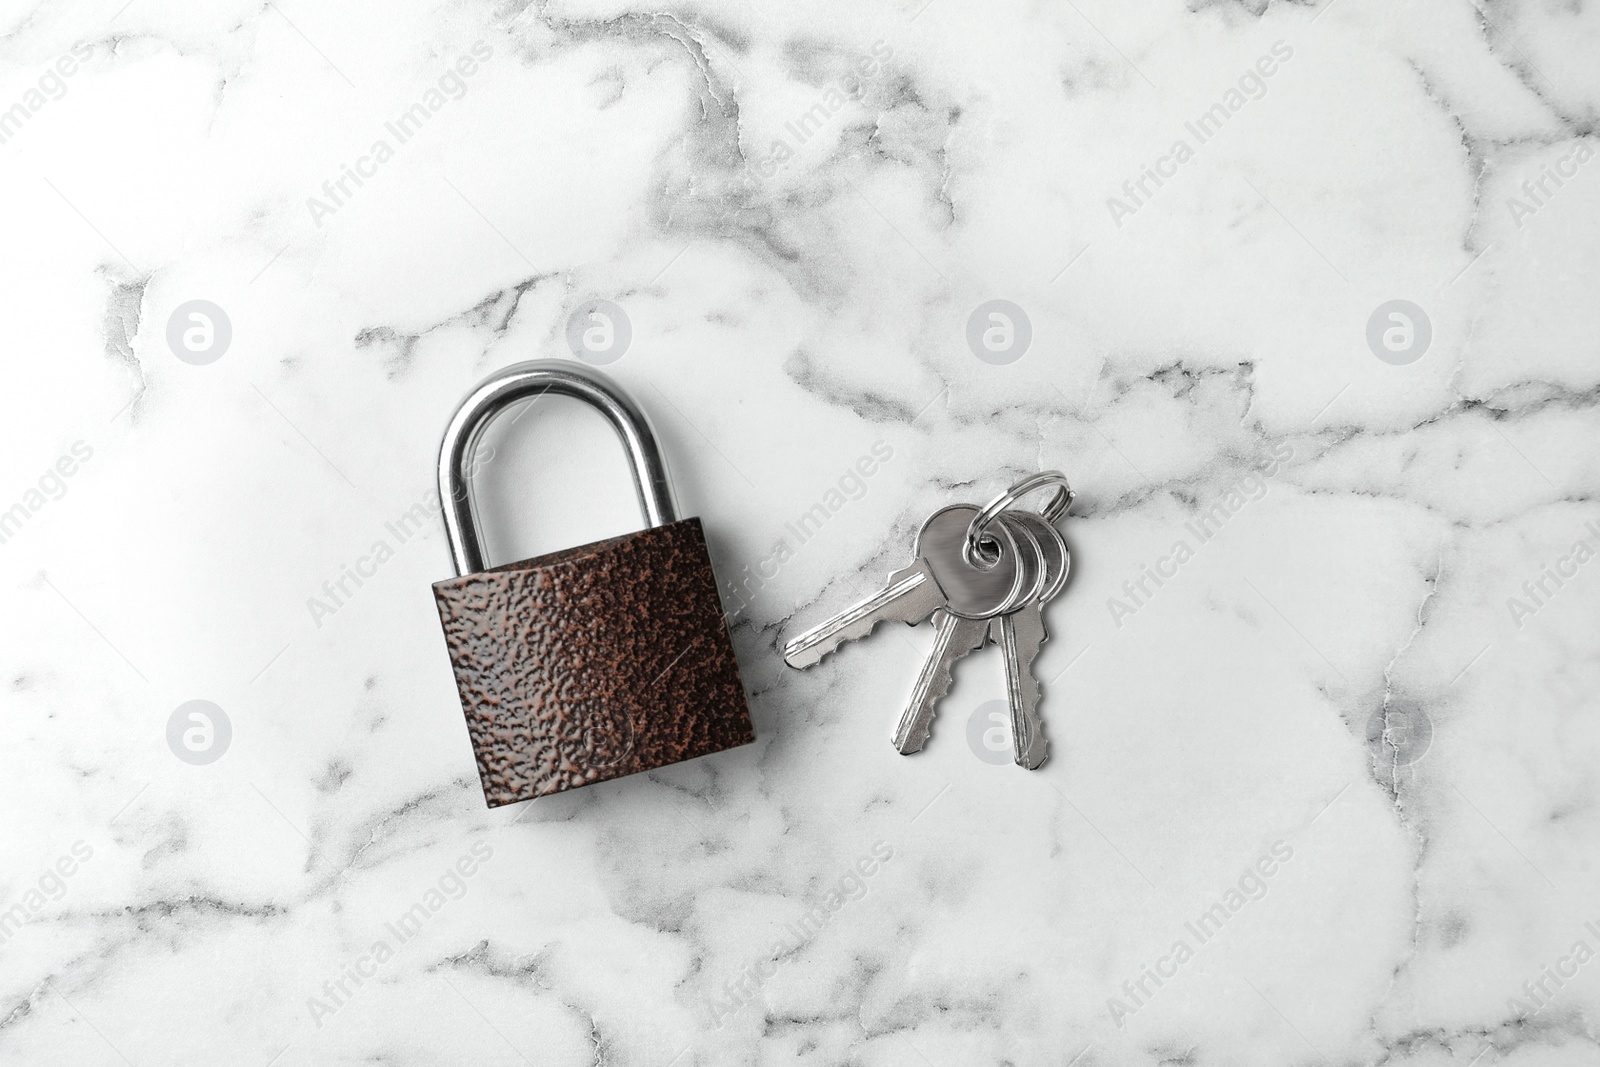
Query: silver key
<point x="971" y="592"/>
<point x="939" y="578"/>
<point x="956" y="636"/>
<point x="911" y="595"/>
<point x="1020" y="634"/>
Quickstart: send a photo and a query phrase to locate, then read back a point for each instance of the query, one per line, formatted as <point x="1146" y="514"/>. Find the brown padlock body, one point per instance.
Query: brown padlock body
<point x="594" y="662"/>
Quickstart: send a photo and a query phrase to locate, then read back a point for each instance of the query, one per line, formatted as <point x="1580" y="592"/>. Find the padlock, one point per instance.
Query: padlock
<point x="593" y="662"/>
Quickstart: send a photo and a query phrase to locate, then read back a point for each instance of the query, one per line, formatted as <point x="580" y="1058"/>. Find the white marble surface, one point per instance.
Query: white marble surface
<point x="792" y="305"/>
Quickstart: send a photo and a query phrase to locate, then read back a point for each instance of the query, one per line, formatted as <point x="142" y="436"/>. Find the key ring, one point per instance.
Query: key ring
<point x="1052" y="511"/>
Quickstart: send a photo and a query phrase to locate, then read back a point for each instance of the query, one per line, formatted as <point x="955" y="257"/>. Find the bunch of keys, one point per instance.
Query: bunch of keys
<point x="981" y="574"/>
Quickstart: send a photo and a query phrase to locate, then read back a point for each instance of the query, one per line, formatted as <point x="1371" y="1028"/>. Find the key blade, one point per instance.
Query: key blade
<point x="910" y="596"/>
<point x="1020" y="636"/>
<point x="954" y="638"/>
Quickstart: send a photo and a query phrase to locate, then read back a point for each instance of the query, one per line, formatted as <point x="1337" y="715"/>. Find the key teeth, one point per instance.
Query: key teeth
<point x="1032" y="748"/>
<point x="915" y="739"/>
<point x="1038" y="750"/>
<point x="912" y="743"/>
<point x="909" y="605"/>
<point x="828" y="647"/>
<point x="916" y="725"/>
<point x="938" y="688"/>
<point x="789" y="652"/>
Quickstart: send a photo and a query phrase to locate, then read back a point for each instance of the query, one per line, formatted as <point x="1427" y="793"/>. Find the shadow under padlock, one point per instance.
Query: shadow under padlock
<point x="593" y="662"/>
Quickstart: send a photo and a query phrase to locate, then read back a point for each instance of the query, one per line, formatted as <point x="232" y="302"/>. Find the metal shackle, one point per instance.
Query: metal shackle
<point x="537" y="377"/>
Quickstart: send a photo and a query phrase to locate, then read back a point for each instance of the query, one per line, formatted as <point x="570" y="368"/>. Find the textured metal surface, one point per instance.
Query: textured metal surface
<point x="593" y="663"/>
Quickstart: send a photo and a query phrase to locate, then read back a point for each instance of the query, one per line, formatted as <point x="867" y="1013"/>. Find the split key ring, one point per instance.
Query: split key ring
<point x="1053" y="510"/>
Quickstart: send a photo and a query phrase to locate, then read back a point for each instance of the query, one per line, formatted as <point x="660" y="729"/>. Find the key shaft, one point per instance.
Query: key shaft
<point x="910" y="596"/>
<point x="954" y="637"/>
<point x="1020" y="636"/>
